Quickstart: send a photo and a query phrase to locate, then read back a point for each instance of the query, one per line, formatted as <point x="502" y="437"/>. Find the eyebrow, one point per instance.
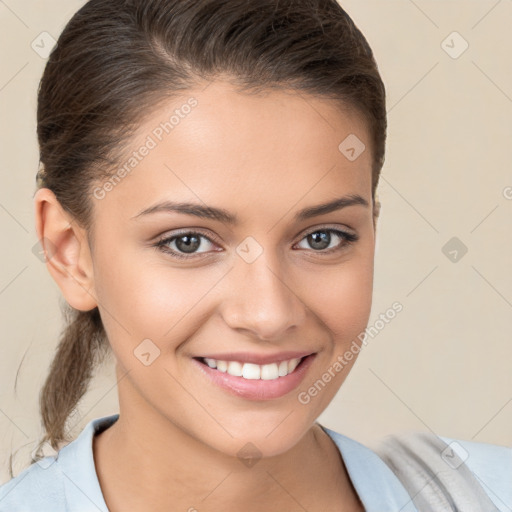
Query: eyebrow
<point x="219" y="214"/>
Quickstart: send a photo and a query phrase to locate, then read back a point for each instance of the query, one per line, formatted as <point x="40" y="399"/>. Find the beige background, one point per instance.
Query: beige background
<point x="443" y="364"/>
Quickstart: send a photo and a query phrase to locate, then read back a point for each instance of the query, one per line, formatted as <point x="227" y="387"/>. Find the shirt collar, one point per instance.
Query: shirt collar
<point x="373" y="480"/>
<point x="76" y="461"/>
<point x="375" y="483"/>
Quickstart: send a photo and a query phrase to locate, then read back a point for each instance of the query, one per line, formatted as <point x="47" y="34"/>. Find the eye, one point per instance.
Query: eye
<point x="324" y="240"/>
<point x="185" y="244"/>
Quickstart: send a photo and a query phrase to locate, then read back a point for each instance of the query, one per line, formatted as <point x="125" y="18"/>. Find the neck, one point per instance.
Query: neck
<point x="144" y="461"/>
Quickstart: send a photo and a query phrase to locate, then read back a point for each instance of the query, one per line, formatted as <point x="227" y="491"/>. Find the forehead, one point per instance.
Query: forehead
<point x="216" y="145"/>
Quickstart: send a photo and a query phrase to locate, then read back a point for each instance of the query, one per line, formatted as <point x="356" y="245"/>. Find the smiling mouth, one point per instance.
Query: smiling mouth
<point x="251" y="371"/>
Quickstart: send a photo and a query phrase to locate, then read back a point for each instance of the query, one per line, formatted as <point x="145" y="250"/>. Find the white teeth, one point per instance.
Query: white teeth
<point x="269" y="371"/>
<point x="210" y="362"/>
<point x="283" y="368"/>
<point x="235" y="368"/>
<point x="292" y="365"/>
<point x="253" y="371"/>
<point x="222" y="366"/>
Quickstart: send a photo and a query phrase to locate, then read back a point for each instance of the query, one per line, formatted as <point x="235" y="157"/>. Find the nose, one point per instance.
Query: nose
<point x="260" y="301"/>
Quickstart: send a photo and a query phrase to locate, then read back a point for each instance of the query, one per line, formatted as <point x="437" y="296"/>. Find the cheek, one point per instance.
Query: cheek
<point x="343" y="300"/>
<point x="342" y="296"/>
<point x="145" y="299"/>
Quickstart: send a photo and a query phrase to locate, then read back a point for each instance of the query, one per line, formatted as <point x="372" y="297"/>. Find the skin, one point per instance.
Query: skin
<point x="263" y="158"/>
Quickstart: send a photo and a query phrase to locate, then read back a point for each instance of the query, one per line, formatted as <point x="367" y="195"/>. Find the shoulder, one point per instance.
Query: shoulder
<point x="491" y="465"/>
<point x="450" y="471"/>
<point x="66" y="481"/>
<point x="412" y="471"/>
<point x="375" y="483"/>
<point x="37" y="488"/>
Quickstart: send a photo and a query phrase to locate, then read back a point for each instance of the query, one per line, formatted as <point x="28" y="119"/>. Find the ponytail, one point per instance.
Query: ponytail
<point x="82" y="346"/>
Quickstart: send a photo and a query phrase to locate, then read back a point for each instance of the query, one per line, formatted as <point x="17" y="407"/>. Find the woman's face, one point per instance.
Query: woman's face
<point x="239" y="278"/>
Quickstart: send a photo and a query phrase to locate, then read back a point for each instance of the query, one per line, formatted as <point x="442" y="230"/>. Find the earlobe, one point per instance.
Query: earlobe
<point x="67" y="252"/>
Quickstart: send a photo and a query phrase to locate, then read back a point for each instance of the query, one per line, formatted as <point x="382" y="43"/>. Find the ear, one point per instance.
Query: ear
<point x="68" y="257"/>
<point x="376" y="213"/>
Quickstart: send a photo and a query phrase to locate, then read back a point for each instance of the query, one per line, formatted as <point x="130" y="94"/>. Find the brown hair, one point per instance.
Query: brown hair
<point x="117" y="59"/>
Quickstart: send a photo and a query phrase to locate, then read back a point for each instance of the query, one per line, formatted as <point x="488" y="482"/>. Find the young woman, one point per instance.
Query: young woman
<point x="207" y="205"/>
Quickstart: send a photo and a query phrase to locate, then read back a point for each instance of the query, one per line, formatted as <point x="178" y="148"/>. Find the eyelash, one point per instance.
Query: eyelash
<point x="347" y="240"/>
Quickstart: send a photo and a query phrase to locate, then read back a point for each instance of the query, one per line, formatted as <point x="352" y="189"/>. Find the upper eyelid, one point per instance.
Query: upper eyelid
<point x="197" y="231"/>
<point x="326" y="228"/>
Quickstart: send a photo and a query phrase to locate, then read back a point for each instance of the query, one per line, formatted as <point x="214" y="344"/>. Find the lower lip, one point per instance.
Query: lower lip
<point x="257" y="389"/>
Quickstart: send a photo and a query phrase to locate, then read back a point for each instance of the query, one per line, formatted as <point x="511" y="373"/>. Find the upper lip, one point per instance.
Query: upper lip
<point x="248" y="357"/>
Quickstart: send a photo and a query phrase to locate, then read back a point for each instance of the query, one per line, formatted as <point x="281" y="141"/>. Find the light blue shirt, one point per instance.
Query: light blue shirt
<point x="69" y="483"/>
